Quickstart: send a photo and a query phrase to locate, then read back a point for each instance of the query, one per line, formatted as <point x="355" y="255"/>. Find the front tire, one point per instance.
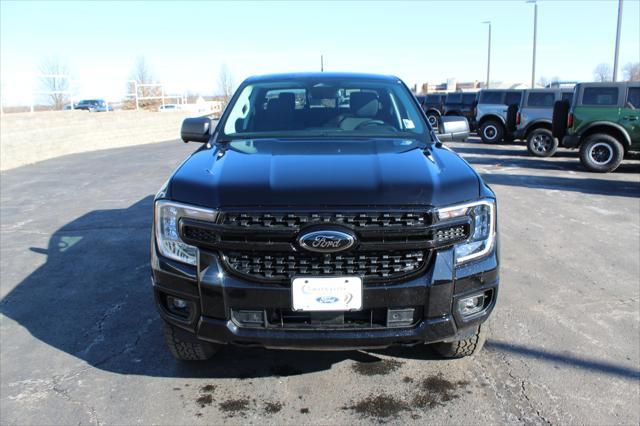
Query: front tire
<point x="491" y="131"/>
<point x="541" y="143"/>
<point x="464" y="347"/>
<point x="601" y="153"/>
<point x="184" y="346"/>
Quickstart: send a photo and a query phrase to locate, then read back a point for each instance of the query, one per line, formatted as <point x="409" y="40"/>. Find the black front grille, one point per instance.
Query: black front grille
<point x="372" y="266"/>
<point x="196" y="233"/>
<point x="355" y="219"/>
<point x="454" y="233"/>
<point x="263" y="246"/>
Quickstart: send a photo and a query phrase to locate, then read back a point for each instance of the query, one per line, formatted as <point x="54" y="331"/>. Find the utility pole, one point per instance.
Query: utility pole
<point x="488" y="54"/>
<point x="535" y="36"/>
<point x="617" y="50"/>
<point x="321" y="63"/>
<point x="135" y="86"/>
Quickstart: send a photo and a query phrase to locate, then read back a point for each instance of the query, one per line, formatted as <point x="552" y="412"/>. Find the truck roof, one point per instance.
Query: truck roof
<point x="320" y="75"/>
<point x="610" y="83"/>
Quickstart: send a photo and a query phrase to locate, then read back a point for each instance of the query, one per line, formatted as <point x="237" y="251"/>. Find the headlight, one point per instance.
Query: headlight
<point x="167" y="218"/>
<point x="483" y="228"/>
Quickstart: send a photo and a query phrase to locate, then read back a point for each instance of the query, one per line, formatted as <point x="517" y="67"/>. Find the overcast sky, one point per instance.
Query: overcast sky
<point x="186" y="43"/>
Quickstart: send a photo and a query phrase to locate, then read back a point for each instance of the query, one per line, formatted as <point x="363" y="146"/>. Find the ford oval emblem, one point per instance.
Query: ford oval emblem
<point x="328" y="241"/>
<point x="327" y="299"/>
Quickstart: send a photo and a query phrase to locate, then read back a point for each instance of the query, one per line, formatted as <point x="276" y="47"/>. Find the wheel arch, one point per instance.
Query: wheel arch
<point x="537" y="124"/>
<point x="488" y="117"/>
<point x="609" y="128"/>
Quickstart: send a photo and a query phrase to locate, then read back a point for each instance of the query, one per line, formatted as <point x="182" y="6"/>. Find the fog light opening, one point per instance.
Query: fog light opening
<point x="400" y="317"/>
<point x="179" y="303"/>
<point x="471" y="305"/>
<point x="179" y="307"/>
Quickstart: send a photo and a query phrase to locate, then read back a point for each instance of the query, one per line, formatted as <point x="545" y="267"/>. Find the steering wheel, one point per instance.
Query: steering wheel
<point x="372" y="123"/>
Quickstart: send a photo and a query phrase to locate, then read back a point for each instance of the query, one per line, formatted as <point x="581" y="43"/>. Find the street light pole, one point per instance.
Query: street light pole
<point x="617" y="51"/>
<point x="488" y="54"/>
<point x="535" y="36"/>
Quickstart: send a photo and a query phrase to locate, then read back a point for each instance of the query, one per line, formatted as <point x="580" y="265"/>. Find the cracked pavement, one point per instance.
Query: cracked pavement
<point x="82" y="344"/>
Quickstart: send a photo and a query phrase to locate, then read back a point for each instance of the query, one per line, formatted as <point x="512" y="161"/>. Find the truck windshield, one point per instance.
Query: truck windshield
<point x="316" y="107"/>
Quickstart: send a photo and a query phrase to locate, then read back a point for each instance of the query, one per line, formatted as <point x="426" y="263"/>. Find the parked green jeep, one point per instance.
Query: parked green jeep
<point x="603" y="121"/>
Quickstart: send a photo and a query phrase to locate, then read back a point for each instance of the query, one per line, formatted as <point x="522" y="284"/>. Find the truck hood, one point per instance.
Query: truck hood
<point x="272" y="172"/>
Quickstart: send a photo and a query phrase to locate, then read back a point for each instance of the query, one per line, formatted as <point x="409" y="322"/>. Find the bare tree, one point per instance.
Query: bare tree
<point x="54" y="79"/>
<point x="631" y="71"/>
<point x="548" y="82"/>
<point x="142" y="75"/>
<point x="543" y="81"/>
<point x="141" y="72"/>
<point x="225" y="83"/>
<point x="602" y="72"/>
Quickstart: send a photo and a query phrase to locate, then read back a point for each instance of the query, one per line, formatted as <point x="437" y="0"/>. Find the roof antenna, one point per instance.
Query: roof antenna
<point x="321" y="63"/>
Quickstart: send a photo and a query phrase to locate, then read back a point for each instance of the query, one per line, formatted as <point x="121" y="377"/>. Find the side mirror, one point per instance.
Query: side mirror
<point x="197" y="129"/>
<point x="453" y="128"/>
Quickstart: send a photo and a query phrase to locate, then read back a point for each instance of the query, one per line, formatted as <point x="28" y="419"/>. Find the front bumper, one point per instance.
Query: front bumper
<point x="213" y="296"/>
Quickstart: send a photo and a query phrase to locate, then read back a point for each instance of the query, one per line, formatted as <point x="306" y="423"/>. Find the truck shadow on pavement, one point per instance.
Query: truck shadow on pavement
<point x="92" y="299"/>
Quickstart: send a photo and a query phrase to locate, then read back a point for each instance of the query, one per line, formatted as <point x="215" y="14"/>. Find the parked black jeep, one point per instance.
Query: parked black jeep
<point x="433" y="106"/>
<point x="302" y="223"/>
<point x="463" y="105"/>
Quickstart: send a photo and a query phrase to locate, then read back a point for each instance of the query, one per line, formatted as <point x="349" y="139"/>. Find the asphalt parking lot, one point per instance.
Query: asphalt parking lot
<point x="82" y="343"/>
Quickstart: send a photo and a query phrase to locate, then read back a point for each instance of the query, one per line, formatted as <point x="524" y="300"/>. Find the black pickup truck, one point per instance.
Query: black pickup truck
<point x="322" y="211"/>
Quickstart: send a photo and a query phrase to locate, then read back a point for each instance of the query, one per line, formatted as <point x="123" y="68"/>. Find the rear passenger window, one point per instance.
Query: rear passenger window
<point x="300" y="96"/>
<point x="468" y="99"/>
<point x="567" y="96"/>
<point x="491" y="98"/>
<point x="600" y="96"/>
<point x="633" y="97"/>
<point x="540" y="100"/>
<point x="513" y="98"/>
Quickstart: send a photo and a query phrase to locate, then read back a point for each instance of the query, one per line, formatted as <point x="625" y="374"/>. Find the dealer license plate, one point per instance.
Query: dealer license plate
<point x="327" y="293"/>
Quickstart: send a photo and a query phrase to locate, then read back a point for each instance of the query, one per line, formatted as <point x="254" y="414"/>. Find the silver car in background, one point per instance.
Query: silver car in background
<point x="534" y="117"/>
<point x="491" y="113"/>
